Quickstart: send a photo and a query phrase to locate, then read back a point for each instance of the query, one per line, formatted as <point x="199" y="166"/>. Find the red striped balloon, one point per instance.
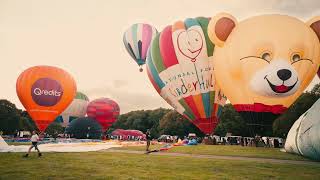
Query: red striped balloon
<point x="105" y="111"/>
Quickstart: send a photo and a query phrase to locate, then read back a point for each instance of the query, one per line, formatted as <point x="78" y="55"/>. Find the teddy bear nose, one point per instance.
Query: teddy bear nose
<point x="284" y="74"/>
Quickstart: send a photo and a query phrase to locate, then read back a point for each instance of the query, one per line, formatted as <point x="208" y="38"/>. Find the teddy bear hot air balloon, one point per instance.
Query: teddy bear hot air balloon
<point x="264" y="63"/>
<point x="137" y="40"/>
<point x="45" y="92"/>
<point x="179" y="68"/>
<point x="105" y="111"/>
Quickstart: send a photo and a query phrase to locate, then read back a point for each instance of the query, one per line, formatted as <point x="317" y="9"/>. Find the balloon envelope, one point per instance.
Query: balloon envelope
<point x="126" y="133"/>
<point x="45" y="92"/>
<point x="137" y="40"/>
<point x="259" y="66"/>
<point x="78" y="108"/>
<point x="179" y="68"/>
<point x="105" y="111"/>
<point x="304" y="136"/>
<point x="83" y="128"/>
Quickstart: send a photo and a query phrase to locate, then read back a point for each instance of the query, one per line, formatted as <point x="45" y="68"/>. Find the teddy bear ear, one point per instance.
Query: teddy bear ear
<point x="220" y="27"/>
<point x="314" y="23"/>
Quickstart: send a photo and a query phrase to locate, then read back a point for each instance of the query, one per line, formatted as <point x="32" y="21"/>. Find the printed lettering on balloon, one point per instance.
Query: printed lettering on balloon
<point x="183" y="87"/>
<point x="46" y="92"/>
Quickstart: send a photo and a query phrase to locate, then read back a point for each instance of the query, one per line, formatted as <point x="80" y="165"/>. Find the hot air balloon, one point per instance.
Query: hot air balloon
<point x="304" y="135"/>
<point x="137" y="40"/>
<point x="84" y="128"/>
<point x="179" y="67"/>
<point x="78" y="108"/>
<point x="45" y="92"/>
<point x="261" y="66"/>
<point x="105" y="111"/>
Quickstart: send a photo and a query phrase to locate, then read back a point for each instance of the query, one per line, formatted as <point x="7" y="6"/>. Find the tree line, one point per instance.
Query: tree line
<point x="166" y="121"/>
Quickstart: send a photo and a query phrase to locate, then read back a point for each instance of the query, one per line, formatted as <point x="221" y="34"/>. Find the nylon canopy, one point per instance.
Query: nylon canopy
<point x="304" y="136"/>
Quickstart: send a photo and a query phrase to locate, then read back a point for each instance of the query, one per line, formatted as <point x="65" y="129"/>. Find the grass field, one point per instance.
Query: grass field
<point x="226" y="151"/>
<point x="106" y="165"/>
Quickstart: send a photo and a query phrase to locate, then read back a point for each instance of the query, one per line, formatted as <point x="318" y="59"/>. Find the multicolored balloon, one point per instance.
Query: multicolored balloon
<point x="180" y="68"/>
<point x="137" y="40"/>
<point x="105" y="111"/>
<point x="261" y="66"/>
<point x="45" y="92"/>
<point x="78" y="108"/>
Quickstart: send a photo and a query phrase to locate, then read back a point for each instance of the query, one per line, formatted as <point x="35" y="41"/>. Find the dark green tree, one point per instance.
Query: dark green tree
<point x="282" y="125"/>
<point x="54" y="129"/>
<point x="140" y="120"/>
<point x="316" y="90"/>
<point x="26" y="122"/>
<point x="9" y="117"/>
<point x="174" y="124"/>
<point x="231" y="122"/>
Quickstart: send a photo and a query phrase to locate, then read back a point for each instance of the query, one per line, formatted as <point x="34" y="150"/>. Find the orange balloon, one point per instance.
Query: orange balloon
<point x="45" y="92"/>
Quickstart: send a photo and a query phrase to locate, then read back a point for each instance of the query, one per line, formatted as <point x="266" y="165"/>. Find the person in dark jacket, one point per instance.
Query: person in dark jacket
<point x="148" y="137"/>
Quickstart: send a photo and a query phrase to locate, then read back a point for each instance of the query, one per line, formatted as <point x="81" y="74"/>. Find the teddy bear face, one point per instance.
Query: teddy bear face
<point x="267" y="59"/>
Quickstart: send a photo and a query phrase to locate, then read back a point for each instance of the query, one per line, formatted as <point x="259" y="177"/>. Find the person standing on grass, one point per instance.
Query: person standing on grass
<point x="34" y="140"/>
<point x="148" y="137"/>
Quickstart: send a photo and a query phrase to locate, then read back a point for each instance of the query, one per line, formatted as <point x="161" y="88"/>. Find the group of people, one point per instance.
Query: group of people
<point x="257" y="141"/>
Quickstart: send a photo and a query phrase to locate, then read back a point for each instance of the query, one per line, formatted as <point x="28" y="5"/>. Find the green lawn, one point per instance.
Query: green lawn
<point x="226" y="150"/>
<point x="106" y="165"/>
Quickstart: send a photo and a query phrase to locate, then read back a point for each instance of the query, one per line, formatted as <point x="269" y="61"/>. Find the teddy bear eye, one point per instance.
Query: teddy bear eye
<point x="296" y="57"/>
<point x="266" y="56"/>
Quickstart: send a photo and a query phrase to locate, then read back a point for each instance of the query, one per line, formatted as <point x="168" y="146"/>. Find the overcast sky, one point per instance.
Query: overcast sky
<point x="84" y="37"/>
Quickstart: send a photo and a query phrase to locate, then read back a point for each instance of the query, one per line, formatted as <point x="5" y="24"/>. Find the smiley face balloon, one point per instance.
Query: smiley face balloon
<point x="45" y="92"/>
<point x="179" y="68"/>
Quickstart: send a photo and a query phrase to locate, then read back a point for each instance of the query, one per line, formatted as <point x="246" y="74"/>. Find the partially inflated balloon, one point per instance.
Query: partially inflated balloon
<point x="304" y="135"/>
<point x="78" y="108"/>
<point x="105" y="111"/>
<point x="137" y="40"/>
<point x="45" y="92"/>
<point x="263" y="67"/>
<point x="179" y="68"/>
